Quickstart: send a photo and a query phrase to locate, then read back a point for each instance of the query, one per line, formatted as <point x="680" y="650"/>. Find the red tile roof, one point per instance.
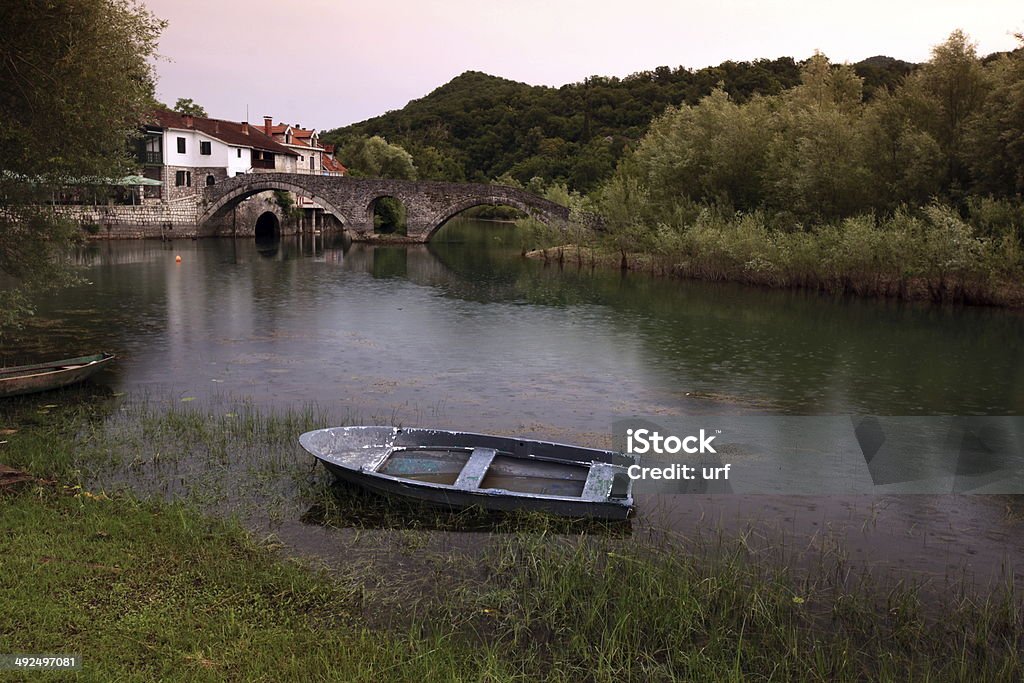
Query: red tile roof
<point x="332" y="164"/>
<point x="230" y="132"/>
<point x="300" y="136"/>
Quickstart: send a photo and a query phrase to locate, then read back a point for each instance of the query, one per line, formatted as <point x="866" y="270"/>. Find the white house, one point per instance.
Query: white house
<point x="187" y="152"/>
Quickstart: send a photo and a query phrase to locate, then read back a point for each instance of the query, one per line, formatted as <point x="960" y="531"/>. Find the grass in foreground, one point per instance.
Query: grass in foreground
<point x="157" y="591"/>
<point x="148" y="590"/>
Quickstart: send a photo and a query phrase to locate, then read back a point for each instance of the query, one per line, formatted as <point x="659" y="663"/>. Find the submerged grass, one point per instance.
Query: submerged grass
<point x="149" y="586"/>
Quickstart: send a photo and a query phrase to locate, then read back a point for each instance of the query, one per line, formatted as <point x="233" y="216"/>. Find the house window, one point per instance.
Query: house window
<point x="183" y="178"/>
<point x="153" y="150"/>
<point x="239" y="150"/>
<point x="205" y="147"/>
<point x="312" y="163"/>
<point x="210" y="180"/>
<point x="181" y="145"/>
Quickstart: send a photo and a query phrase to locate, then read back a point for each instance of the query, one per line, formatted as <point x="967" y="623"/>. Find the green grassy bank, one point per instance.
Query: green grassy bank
<point x="154" y="588"/>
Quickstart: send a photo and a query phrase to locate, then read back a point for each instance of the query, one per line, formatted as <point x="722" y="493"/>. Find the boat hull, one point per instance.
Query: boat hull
<point x="31" y="379"/>
<point x="359" y="455"/>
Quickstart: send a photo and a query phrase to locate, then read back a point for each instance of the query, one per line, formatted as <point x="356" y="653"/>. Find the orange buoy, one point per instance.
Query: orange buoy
<point x="177" y="259"/>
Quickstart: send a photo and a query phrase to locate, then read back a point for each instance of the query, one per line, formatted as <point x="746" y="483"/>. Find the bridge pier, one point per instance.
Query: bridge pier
<point x="413" y="234"/>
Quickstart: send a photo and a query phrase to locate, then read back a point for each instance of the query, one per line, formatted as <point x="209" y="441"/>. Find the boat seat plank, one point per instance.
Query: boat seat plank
<point x="475" y="469"/>
<point x="599" y="481"/>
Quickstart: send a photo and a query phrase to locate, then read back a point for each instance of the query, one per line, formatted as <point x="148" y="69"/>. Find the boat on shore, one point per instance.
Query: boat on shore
<point x="461" y="469"/>
<point x="30" y="379"/>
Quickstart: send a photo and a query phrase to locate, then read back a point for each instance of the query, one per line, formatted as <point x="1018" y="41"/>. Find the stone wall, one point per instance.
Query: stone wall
<point x="173" y="192"/>
<point x="155" y="219"/>
<point x="151" y="219"/>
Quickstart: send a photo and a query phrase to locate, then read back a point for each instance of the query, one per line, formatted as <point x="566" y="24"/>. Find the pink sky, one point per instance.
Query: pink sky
<point x="324" y="63"/>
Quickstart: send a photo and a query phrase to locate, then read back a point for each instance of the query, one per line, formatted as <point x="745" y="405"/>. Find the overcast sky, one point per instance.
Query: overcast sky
<point x="326" y="63"/>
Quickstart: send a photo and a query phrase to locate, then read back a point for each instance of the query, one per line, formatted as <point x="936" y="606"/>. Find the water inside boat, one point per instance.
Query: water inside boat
<point x="437" y="466"/>
<point x="535" y="476"/>
<point x="443" y="466"/>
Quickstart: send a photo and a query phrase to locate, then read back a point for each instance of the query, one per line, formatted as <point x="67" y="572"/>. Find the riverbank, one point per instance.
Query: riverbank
<point x="903" y="289"/>
<point x="1005" y="295"/>
<point x="147" y="581"/>
<point x="931" y="254"/>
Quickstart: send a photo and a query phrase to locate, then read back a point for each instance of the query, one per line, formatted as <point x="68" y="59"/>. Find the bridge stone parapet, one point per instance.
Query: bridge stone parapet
<point x="428" y="204"/>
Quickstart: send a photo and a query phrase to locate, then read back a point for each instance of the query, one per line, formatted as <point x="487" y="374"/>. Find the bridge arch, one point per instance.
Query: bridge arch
<point x="234" y="196"/>
<point x="268" y="227"/>
<point x="438" y="221"/>
<point x="428" y="203"/>
<point x="397" y="210"/>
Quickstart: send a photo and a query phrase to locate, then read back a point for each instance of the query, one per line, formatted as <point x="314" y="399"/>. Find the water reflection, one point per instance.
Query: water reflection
<point x="269" y="248"/>
<point x="506" y="343"/>
<point x="466" y="334"/>
<point x="390" y="261"/>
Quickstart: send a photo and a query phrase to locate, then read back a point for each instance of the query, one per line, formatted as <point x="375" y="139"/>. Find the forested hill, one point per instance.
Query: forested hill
<point x="479" y="127"/>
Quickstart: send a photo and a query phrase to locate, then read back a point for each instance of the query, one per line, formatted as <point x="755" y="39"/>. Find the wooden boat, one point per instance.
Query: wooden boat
<point x="459" y="469"/>
<point x="29" y="379"/>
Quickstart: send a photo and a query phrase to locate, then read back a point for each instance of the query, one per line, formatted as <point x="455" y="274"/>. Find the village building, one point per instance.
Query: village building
<point x="186" y="153"/>
<point x="303" y="142"/>
<point x="312" y="158"/>
<point x="331" y="165"/>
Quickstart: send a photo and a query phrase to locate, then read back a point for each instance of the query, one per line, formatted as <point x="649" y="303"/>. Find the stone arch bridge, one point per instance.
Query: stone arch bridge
<point x="351" y="200"/>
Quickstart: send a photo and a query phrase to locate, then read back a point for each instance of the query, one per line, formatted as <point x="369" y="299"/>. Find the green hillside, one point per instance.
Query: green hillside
<point x="479" y="127"/>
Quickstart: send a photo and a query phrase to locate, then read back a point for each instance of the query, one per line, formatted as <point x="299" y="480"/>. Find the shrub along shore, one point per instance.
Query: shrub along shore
<point x="147" y="586"/>
<point x="931" y="255"/>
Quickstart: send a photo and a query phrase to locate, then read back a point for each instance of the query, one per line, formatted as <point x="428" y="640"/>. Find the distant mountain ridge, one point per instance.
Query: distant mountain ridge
<point x="479" y="127"/>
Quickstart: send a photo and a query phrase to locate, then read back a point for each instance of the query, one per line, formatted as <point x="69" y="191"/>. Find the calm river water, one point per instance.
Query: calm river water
<point x="465" y="334"/>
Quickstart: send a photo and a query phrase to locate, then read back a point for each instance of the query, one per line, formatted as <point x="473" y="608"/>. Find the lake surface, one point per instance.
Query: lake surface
<point x="466" y="334"/>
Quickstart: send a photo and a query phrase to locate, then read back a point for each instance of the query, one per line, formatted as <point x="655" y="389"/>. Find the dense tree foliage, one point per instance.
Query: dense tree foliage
<point x="186" y="105"/>
<point x="819" y="185"/>
<point x="882" y="74"/>
<point x="478" y="127"/>
<point x="820" y="151"/>
<point x="75" y="80"/>
<point x="375" y="157"/>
